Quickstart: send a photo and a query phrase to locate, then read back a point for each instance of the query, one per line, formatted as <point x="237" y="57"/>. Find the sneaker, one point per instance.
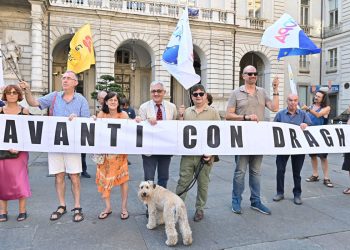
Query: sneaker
<point x="198" y="216"/>
<point x="278" y="197"/>
<point x="85" y="175"/>
<point x="236" y="207"/>
<point x="297" y="200"/>
<point x="260" y="207"/>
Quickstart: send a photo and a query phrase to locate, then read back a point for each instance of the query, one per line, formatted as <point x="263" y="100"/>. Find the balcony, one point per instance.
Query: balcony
<point x="331" y="67"/>
<point x="256" y="23"/>
<point x="304" y="67"/>
<point x="306" y="28"/>
<point x="332" y="30"/>
<point x="146" y="8"/>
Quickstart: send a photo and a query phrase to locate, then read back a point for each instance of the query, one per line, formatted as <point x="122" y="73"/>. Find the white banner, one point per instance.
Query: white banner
<point x="114" y="136"/>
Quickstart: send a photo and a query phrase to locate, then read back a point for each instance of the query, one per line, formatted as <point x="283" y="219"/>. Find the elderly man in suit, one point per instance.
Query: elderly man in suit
<point x="153" y="111"/>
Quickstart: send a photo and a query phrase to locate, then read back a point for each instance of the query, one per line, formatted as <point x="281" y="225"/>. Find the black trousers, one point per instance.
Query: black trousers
<point x="83" y="162"/>
<point x="297" y="165"/>
<point x="160" y="163"/>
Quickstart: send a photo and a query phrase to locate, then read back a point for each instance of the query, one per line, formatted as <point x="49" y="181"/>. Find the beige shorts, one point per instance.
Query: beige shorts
<point x="64" y="163"/>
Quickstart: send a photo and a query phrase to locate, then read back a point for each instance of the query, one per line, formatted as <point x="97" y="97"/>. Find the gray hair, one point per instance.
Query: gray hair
<point x="101" y="94"/>
<point x="71" y="72"/>
<point x="155" y="83"/>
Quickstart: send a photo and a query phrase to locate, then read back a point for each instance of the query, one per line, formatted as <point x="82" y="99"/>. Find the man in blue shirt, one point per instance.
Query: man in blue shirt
<point x="125" y="105"/>
<point x="67" y="103"/>
<point x="295" y="116"/>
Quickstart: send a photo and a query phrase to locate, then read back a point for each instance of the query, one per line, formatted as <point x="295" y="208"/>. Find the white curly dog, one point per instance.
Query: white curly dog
<point x="165" y="207"/>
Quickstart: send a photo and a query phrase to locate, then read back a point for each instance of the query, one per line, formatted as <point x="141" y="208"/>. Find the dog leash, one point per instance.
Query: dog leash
<point x="193" y="181"/>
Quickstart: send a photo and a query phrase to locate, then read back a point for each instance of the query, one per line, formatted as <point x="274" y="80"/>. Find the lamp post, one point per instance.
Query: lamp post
<point x="133" y="60"/>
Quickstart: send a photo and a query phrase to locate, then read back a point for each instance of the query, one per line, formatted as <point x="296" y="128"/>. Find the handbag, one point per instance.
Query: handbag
<point x="5" y="154"/>
<point x="98" y="158"/>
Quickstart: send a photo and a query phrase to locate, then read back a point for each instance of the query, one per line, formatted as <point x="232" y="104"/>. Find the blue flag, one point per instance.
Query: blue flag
<point x="287" y="35"/>
<point x="178" y="55"/>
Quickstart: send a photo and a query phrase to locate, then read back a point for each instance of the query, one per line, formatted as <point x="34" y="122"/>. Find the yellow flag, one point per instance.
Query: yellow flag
<point x="81" y="54"/>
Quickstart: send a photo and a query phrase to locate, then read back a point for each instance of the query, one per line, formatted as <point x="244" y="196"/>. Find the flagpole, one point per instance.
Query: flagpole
<point x="12" y="69"/>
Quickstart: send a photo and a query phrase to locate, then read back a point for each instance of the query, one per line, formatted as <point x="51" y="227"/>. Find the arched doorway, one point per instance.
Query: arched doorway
<point x="133" y="71"/>
<point x="178" y="94"/>
<point x="86" y="79"/>
<point x="252" y="58"/>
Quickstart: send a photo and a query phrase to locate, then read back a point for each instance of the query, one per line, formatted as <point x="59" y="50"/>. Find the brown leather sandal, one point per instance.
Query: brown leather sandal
<point x="57" y="213"/>
<point x="328" y="183"/>
<point x="3" y="217"/>
<point x="77" y="214"/>
<point x="312" y="178"/>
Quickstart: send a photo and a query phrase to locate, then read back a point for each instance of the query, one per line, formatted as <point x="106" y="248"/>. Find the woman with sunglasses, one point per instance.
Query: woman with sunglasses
<point x="114" y="170"/>
<point x="14" y="181"/>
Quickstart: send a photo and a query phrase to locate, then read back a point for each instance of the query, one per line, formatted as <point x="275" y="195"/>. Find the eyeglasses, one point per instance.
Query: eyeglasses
<point x="201" y="94"/>
<point x="68" y="78"/>
<point x="11" y="93"/>
<point x="251" y="73"/>
<point x="153" y="91"/>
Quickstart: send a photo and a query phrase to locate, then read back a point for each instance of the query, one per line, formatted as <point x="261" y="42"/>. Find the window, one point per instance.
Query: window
<point x="302" y="61"/>
<point x="304" y="64"/>
<point x="254" y="8"/>
<point x="304" y="12"/>
<point x="332" y="58"/>
<point x="190" y="3"/>
<point x="333" y="13"/>
<point x="303" y="95"/>
<point x="123" y="56"/>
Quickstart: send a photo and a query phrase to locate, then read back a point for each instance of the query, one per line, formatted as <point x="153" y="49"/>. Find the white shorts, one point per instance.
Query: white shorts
<point x="64" y="163"/>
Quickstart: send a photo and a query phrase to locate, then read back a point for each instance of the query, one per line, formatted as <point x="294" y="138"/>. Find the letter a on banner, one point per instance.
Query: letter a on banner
<point x="81" y="54"/>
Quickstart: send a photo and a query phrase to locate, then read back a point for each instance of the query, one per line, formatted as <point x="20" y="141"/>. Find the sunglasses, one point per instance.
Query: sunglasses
<point x="201" y="94"/>
<point x="156" y="91"/>
<point x="11" y="93"/>
<point x="251" y="73"/>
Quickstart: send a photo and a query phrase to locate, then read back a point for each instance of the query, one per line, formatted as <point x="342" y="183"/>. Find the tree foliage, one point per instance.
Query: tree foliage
<point x="107" y="83"/>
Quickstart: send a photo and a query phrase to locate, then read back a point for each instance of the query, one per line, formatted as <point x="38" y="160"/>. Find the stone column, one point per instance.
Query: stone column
<point x="37" y="47"/>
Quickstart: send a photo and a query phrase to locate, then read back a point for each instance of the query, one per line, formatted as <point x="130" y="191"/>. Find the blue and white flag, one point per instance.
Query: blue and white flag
<point x="178" y="55"/>
<point x="286" y="35"/>
<point x="193" y="12"/>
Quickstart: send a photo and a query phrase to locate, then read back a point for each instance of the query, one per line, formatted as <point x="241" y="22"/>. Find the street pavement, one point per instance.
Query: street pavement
<point x="321" y="222"/>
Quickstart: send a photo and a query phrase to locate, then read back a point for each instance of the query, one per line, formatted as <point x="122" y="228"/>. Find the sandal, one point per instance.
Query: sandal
<point x="3" y="217"/>
<point x="328" y="183"/>
<point x="346" y="191"/>
<point x="77" y="214"/>
<point x="58" y="213"/>
<point x="312" y="178"/>
<point x="124" y="215"/>
<point x="22" y="216"/>
<point x="104" y="215"/>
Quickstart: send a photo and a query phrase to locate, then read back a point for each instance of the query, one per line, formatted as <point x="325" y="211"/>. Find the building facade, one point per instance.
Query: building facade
<point x="335" y="49"/>
<point x="130" y="36"/>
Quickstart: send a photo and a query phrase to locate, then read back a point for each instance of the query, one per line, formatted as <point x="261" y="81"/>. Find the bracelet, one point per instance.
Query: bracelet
<point x="308" y="110"/>
<point x="276" y="94"/>
<point x="244" y="119"/>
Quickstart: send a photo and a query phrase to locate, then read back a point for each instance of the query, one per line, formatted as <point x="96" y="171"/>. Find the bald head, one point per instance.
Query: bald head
<point x="292" y="102"/>
<point x="249" y="68"/>
<point x="250" y="76"/>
